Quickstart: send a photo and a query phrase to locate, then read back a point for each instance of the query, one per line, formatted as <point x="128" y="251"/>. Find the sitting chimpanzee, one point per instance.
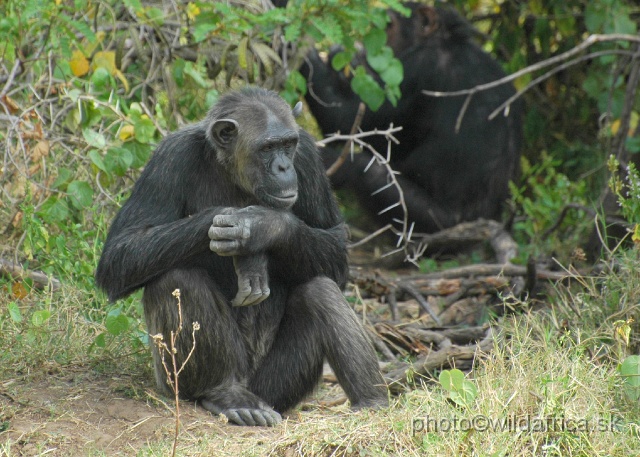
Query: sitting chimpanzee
<point x="446" y="176"/>
<point x="233" y="211"/>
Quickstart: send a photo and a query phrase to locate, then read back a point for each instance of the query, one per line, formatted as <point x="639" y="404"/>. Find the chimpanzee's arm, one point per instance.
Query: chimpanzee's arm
<point x="133" y="256"/>
<point x="310" y="252"/>
<point x="297" y="252"/>
<point x="153" y="232"/>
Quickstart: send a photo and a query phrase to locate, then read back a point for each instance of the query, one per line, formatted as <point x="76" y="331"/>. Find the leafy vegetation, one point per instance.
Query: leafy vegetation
<point x="88" y="88"/>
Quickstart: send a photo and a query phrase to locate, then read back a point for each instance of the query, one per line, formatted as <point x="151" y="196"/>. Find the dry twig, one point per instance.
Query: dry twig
<point x="173" y="371"/>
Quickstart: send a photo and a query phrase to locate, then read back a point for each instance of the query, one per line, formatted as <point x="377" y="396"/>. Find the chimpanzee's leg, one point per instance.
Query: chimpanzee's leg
<point x="319" y="323"/>
<point x="216" y="372"/>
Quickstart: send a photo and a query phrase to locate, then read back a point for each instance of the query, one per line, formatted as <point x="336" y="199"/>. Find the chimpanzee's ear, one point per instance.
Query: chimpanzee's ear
<point x="223" y="132"/>
<point x="297" y="110"/>
<point x="429" y="19"/>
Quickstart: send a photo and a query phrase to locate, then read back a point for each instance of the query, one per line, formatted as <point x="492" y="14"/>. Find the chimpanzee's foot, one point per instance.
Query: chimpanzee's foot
<point x="372" y="403"/>
<point x="241" y="407"/>
<point x="246" y="416"/>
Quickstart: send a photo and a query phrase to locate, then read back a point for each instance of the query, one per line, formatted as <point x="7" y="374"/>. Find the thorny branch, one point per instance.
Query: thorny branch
<point x="348" y="146"/>
<point x="412" y="251"/>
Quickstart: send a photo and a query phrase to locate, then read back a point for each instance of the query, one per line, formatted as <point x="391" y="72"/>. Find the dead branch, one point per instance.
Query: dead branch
<point x="633" y="82"/>
<point x="476" y="231"/>
<point x="381" y="346"/>
<point x="348" y="146"/>
<point x="371" y="236"/>
<point x="460" y="287"/>
<point x="488" y="269"/>
<point x="549" y="74"/>
<point x="453" y="356"/>
<point x="40" y="280"/>
<point x="588" y="42"/>
<point x="409" y="289"/>
<point x="504" y="107"/>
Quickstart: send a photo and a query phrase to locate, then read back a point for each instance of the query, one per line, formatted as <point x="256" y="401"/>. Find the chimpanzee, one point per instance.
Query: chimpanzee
<point x="446" y="176"/>
<point x="234" y="211"/>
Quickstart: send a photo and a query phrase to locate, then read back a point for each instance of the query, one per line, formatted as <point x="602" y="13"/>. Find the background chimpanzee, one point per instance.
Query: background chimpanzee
<point x="447" y="177"/>
<point x="243" y="191"/>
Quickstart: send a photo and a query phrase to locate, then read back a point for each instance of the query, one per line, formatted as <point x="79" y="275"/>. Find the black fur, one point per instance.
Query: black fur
<point x="446" y="177"/>
<point x="250" y="362"/>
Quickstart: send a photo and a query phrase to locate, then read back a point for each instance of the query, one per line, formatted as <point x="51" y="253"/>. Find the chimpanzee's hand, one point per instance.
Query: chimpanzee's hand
<point x="250" y="230"/>
<point x="253" y="279"/>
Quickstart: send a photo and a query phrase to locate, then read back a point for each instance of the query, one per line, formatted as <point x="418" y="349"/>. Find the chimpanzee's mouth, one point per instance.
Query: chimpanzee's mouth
<point x="286" y="200"/>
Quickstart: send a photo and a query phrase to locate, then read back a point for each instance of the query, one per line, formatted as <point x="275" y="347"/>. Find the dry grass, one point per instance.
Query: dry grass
<point x="56" y="398"/>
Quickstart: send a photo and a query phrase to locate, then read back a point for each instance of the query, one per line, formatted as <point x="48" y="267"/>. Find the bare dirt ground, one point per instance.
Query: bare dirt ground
<point x="85" y="414"/>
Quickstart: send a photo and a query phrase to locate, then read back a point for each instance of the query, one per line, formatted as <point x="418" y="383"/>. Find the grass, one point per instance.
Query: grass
<point x="550" y="384"/>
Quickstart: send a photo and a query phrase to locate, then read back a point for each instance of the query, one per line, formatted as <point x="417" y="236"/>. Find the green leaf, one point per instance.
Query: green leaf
<point x="81" y="194"/>
<point x="118" y="161"/>
<point x="368" y="89"/>
<point x="205" y="22"/>
<point x="374" y="41"/>
<point x="445" y="380"/>
<point x="40" y="317"/>
<point x="155" y="15"/>
<point x="100" y="77"/>
<point x="54" y="210"/>
<point x="632" y="144"/>
<point x="452" y="380"/>
<point x="81" y="27"/>
<point x="14" y="312"/>
<point x="381" y="60"/>
<point x="135" y="4"/>
<point x="630" y="373"/>
<point x="461" y="391"/>
<point x="116" y="322"/>
<point x="594" y="17"/>
<point x="139" y="153"/>
<point x="194" y="71"/>
<point x="393" y="94"/>
<point x="100" y="341"/>
<point x="294" y="85"/>
<point x="94" y="139"/>
<point x="328" y="26"/>
<point x="144" y="130"/>
<point x="96" y="159"/>
<point x="341" y="60"/>
<point x="393" y="74"/>
<point x="64" y="176"/>
<point x="465" y="395"/>
<point x="292" y="32"/>
<point x="622" y="23"/>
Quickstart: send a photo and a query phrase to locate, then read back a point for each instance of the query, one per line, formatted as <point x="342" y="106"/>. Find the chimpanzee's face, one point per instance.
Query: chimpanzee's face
<point x="259" y="149"/>
<point x="271" y="166"/>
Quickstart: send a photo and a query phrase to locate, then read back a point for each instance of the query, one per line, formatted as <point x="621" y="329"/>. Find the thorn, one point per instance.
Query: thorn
<point x="383" y="188"/>
<point x="389" y="208"/>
